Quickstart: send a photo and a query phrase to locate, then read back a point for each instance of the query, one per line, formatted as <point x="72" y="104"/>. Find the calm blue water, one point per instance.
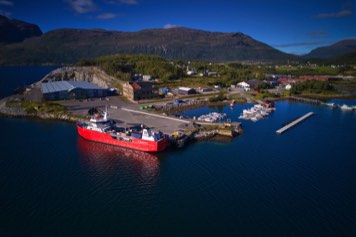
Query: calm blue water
<point x="301" y="183"/>
<point x="15" y="77"/>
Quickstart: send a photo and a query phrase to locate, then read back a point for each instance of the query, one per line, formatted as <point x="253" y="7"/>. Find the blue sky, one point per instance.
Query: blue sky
<point x="290" y="26"/>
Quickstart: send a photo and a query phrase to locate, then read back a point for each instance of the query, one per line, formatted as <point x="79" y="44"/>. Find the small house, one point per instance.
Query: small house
<point x="191" y="73"/>
<point x="146" y="78"/>
<point x="139" y="90"/>
<point x="213" y="74"/>
<point x="204" y="89"/>
<point x="244" y="85"/>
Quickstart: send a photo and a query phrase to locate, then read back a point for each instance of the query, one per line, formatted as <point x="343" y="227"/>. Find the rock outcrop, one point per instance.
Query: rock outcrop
<point x="90" y="74"/>
<point x="11" y="111"/>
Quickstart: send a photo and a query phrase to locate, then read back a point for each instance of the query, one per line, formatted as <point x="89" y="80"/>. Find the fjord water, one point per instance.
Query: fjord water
<point x="18" y="77"/>
<point x="300" y="183"/>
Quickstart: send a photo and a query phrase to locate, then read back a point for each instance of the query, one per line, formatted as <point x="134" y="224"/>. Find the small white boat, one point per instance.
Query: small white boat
<point x="253" y="119"/>
<point x="255" y="113"/>
<point x="331" y="105"/>
<point x="346" y="107"/>
<point x="232" y="103"/>
<point x="212" y="117"/>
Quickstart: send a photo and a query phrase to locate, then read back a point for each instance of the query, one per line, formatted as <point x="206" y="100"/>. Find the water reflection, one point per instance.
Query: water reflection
<point x="108" y="160"/>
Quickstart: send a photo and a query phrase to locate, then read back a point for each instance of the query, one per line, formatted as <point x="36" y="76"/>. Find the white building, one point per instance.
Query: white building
<point x="245" y="86"/>
<point x="186" y="91"/>
<point x="288" y="87"/>
<point x="190" y="72"/>
<point x="146" y="77"/>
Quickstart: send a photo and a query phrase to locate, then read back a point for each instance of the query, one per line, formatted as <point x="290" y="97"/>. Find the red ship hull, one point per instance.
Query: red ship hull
<point x="134" y="143"/>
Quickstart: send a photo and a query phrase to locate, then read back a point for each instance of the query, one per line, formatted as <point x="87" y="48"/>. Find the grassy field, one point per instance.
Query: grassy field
<point x="35" y="107"/>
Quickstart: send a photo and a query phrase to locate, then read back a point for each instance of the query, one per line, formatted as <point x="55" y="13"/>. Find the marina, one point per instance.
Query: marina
<point x="258" y="111"/>
<point x="293" y="123"/>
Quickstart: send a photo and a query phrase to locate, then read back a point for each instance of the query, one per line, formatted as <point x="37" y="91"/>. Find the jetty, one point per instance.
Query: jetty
<point x="305" y="100"/>
<point x="293" y="123"/>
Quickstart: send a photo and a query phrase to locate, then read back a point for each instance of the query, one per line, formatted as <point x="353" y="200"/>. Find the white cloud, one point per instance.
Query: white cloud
<point x="82" y="6"/>
<point x="297" y="44"/>
<point x="169" y="26"/>
<point x="6" y="3"/>
<point x="342" y="13"/>
<point x="105" y="16"/>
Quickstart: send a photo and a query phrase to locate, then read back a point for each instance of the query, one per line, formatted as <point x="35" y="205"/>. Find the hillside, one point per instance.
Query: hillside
<point x="338" y="49"/>
<point x="349" y="58"/>
<point x="16" y="31"/>
<point x="64" y="46"/>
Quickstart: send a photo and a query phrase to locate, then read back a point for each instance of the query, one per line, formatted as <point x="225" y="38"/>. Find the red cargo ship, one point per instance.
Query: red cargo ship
<point x="101" y="129"/>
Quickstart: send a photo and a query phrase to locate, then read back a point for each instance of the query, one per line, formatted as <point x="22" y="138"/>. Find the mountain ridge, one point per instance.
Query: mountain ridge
<point x="70" y="45"/>
<point x="337" y="49"/>
<point x="13" y="30"/>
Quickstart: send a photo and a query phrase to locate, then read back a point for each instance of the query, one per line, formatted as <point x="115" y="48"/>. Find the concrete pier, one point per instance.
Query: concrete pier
<point x="155" y="115"/>
<point x="295" y="122"/>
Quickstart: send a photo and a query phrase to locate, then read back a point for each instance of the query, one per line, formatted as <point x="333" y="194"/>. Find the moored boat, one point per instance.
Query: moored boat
<point x="101" y="129"/>
<point x="232" y="103"/>
<point x="346" y="107"/>
<point x="257" y="112"/>
<point x="331" y="105"/>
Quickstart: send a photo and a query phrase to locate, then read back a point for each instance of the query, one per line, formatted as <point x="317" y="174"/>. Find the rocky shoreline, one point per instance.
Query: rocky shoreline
<point x="20" y="112"/>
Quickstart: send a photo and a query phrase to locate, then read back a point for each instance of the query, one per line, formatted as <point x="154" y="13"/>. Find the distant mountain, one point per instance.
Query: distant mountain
<point x="12" y="31"/>
<point x="335" y="50"/>
<point x="64" y="46"/>
<point x="349" y="58"/>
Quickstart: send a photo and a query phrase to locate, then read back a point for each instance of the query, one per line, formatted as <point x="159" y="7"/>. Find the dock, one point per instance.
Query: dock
<point x="293" y="123"/>
<point x="155" y="115"/>
<point x="305" y="100"/>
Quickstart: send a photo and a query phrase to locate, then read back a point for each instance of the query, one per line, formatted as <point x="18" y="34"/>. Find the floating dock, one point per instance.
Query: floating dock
<point x="295" y="122"/>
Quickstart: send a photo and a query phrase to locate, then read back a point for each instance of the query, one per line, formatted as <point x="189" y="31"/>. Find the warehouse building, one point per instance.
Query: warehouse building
<point x="68" y="90"/>
<point x="186" y="91"/>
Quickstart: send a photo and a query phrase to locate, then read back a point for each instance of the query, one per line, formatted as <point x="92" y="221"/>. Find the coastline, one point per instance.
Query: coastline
<point x="19" y="112"/>
<point x="124" y="116"/>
